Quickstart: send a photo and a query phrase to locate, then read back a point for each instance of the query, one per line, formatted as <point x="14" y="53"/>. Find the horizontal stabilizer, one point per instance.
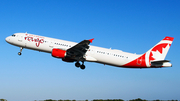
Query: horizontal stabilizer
<point x="161" y="63"/>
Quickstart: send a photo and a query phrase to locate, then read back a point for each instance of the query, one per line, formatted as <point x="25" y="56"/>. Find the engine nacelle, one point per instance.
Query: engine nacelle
<point x="58" y="53"/>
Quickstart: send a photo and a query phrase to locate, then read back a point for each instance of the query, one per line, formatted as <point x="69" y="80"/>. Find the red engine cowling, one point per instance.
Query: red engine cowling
<point x="58" y="53"/>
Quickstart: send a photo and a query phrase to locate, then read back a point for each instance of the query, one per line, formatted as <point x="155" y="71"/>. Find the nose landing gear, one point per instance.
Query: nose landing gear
<point x="19" y="53"/>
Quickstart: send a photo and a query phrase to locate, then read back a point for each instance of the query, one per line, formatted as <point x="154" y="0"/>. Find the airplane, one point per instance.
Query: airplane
<point x="81" y="52"/>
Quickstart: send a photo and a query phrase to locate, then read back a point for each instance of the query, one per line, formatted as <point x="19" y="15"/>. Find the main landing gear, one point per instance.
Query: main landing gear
<point x="77" y="64"/>
<point x="19" y="53"/>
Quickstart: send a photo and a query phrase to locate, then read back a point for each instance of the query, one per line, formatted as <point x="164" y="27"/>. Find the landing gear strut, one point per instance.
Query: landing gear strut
<point x="77" y="64"/>
<point x="19" y="53"/>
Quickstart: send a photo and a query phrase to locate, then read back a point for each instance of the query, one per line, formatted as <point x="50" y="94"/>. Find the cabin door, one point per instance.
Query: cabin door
<point x="20" y="38"/>
<point x="51" y="44"/>
<point x="139" y="61"/>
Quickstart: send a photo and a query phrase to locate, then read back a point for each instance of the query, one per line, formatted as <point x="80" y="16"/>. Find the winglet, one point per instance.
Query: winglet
<point x="91" y="40"/>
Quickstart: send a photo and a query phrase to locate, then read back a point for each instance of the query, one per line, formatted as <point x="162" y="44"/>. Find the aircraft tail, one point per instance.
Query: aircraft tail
<point x="156" y="55"/>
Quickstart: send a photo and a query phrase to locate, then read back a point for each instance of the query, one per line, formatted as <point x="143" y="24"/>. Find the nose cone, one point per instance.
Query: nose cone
<point x="7" y="39"/>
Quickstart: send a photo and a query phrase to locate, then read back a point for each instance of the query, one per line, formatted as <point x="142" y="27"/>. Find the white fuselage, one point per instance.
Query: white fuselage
<point x="94" y="54"/>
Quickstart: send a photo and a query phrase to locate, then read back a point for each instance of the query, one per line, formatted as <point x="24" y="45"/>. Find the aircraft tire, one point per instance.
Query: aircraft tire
<point x="83" y="67"/>
<point x="19" y="53"/>
<point x="77" y="64"/>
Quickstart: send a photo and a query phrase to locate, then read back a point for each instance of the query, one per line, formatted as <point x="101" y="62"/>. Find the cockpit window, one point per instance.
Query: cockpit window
<point x="13" y="35"/>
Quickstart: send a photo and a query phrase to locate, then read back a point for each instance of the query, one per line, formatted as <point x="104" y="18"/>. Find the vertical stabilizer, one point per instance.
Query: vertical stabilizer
<point x="159" y="51"/>
<point x="153" y="57"/>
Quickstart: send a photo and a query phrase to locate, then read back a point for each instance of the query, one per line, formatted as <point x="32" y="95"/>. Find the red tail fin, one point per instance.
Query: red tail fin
<point x="156" y="53"/>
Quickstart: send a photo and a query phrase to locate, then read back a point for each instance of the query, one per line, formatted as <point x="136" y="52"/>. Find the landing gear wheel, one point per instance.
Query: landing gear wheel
<point x="82" y="66"/>
<point x="77" y="64"/>
<point x="19" y="53"/>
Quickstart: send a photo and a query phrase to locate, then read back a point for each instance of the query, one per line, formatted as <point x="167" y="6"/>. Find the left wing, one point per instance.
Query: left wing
<point x="78" y="51"/>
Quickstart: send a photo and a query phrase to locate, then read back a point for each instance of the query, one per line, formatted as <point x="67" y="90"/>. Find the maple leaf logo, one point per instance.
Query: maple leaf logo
<point x="159" y="52"/>
<point x="157" y="55"/>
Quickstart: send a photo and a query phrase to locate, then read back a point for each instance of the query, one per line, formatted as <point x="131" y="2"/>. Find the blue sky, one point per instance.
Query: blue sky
<point x="129" y="25"/>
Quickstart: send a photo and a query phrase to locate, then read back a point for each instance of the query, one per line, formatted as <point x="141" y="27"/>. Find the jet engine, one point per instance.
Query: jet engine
<point x="58" y="53"/>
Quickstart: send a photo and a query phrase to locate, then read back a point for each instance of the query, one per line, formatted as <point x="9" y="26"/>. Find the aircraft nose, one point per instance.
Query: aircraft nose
<point x="7" y="39"/>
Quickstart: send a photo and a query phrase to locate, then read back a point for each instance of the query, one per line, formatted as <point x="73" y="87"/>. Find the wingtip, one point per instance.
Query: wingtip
<point x="91" y="40"/>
